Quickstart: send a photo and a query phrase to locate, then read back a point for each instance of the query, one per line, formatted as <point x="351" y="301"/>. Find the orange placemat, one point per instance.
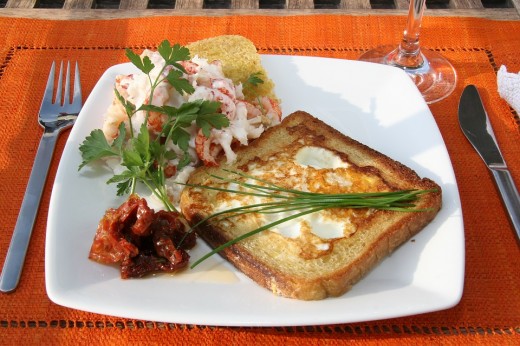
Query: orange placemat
<point x="489" y="311"/>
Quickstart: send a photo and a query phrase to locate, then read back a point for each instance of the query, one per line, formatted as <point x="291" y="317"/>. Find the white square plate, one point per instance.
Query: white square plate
<point x="377" y="105"/>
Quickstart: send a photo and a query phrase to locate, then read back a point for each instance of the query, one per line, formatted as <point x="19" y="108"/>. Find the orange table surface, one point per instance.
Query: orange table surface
<point x="489" y="312"/>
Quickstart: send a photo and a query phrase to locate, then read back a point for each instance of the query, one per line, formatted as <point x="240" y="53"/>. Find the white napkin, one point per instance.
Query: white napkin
<point x="509" y="87"/>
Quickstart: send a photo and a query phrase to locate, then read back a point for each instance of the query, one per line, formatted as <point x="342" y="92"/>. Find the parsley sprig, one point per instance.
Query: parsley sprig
<point x="143" y="156"/>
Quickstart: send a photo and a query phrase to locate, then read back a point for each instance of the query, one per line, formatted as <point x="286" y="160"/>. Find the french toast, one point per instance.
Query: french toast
<point x="325" y="253"/>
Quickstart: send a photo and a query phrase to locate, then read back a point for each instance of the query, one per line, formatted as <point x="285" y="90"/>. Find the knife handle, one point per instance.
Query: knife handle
<point x="510" y="196"/>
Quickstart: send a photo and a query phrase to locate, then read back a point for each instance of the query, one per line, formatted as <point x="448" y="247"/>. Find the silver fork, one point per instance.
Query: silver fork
<point x="54" y="116"/>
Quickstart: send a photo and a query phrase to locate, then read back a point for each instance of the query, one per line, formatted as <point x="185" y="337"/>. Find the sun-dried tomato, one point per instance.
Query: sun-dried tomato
<point x="141" y="240"/>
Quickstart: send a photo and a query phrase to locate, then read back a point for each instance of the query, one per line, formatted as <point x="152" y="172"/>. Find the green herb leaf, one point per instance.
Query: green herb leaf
<point x="141" y="144"/>
<point x="145" y="64"/>
<point x="184" y="161"/>
<point x="254" y="79"/>
<point x="209" y="117"/>
<point x="156" y="149"/>
<point x="181" y="84"/>
<point x="181" y="138"/>
<point x="208" y="107"/>
<point x="124" y="182"/>
<point x="129" y="107"/>
<point x="118" y="142"/>
<point x="211" y="120"/>
<point x="123" y="176"/>
<point x="132" y="159"/>
<point x="95" y="146"/>
<point x="187" y="113"/>
<point x="172" y="54"/>
<point x="170" y="155"/>
<point x="124" y="187"/>
<point x="151" y="108"/>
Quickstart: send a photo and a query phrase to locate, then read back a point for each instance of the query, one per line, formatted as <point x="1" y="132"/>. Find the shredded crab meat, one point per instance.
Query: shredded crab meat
<point x="248" y="118"/>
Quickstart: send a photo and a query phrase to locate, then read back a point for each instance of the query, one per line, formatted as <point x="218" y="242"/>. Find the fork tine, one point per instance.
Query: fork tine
<point x="66" y="96"/>
<point x="76" y="98"/>
<point x="49" y="89"/>
<point x="57" y="99"/>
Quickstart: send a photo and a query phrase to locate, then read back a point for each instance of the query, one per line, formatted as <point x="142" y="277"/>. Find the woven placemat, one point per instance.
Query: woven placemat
<point x="489" y="309"/>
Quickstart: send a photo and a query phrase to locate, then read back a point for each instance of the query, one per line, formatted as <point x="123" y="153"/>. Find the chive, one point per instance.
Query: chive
<point x="283" y="200"/>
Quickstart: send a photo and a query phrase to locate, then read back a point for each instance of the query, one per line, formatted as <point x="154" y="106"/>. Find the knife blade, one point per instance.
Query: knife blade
<point x="475" y="125"/>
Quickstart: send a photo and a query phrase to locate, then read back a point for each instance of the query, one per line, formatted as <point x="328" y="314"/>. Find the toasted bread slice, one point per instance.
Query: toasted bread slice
<point x="239" y="58"/>
<point x="325" y="253"/>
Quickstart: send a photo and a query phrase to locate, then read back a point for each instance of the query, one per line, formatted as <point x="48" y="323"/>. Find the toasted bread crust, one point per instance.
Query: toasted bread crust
<point x="326" y="276"/>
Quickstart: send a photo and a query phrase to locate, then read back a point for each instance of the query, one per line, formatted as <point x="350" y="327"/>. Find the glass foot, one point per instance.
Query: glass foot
<point x="435" y="77"/>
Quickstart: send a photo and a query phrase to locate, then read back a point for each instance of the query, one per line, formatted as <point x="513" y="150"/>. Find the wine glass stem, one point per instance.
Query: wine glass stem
<point x="408" y="54"/>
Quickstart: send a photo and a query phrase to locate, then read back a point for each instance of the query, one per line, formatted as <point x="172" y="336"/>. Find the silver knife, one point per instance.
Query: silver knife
<point x="475" y="124"/>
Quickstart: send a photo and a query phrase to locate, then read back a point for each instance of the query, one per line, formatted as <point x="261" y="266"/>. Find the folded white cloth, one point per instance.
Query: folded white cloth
<point x="509" y="87"/>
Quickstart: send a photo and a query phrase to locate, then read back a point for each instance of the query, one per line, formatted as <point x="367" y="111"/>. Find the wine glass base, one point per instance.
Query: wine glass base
<point x="435" y="78"/>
